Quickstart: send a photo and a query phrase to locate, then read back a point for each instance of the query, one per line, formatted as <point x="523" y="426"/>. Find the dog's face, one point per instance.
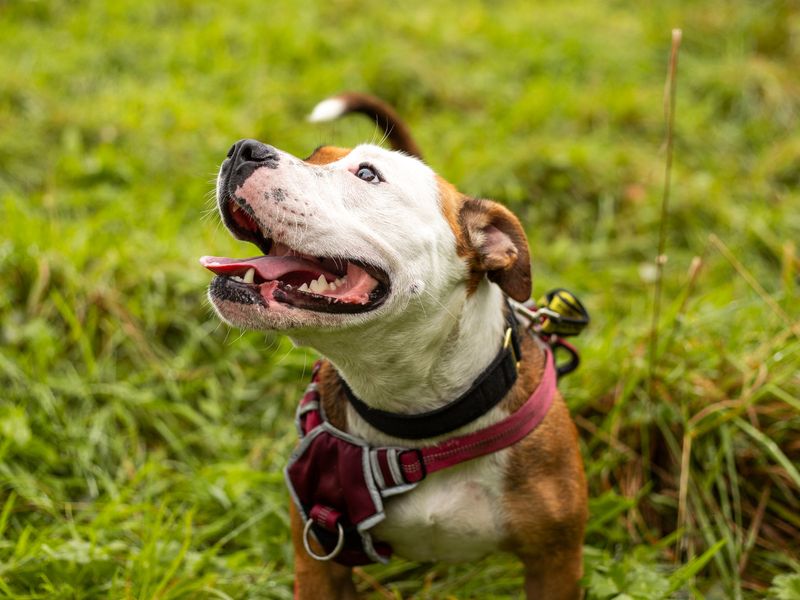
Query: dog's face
<point x="352" y="236"/>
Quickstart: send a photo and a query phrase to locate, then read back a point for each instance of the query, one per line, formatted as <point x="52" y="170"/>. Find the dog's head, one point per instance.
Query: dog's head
<point x="348" y="237"/>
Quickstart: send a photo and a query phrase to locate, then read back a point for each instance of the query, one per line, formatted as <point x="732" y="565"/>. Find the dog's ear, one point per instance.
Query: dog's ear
<point x="497" y="246"/>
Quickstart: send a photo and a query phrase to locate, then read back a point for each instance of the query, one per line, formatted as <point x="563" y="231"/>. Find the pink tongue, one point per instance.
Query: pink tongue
<point x="268" y="267"/>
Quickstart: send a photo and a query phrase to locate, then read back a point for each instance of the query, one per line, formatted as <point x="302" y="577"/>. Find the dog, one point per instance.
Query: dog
<point x="400" y="281"/>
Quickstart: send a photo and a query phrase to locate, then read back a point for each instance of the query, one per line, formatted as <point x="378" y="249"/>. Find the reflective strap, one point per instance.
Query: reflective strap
<point x="396" y="467"/>
<point x="377" y="473"/>
<point x="308" y="416"/>
<point x="307" y="406"/>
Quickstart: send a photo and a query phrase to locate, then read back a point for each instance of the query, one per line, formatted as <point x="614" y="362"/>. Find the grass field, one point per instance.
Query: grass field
<point x="141" y="442"/>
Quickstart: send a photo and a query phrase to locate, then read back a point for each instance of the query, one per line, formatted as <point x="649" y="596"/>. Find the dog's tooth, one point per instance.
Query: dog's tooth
<point x="250" y="276"/>
<point x="235" y="207"/>
<point x="303" y="288"/>
<point x="318" y="285"/>
<point x="236" y="278"/>
<point x="332" y="285"/>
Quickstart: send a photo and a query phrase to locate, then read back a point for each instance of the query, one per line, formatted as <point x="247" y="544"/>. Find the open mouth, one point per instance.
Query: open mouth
<point x="290" y="277"/>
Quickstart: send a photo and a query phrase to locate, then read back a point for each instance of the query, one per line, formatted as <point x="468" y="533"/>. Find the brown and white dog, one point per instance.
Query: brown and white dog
<point x="398" y="279"/>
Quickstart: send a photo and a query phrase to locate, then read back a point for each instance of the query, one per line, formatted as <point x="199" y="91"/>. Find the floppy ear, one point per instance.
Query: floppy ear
<point x="498" y="246"/>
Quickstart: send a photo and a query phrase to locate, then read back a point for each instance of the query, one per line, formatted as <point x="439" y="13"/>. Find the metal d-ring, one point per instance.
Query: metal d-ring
<point x="334" y="553"/>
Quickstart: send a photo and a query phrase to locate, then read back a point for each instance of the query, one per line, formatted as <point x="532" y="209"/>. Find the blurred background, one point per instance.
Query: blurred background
<point x="141" y="442"/>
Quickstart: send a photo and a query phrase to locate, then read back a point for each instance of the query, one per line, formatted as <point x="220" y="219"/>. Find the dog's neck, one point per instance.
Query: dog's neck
<point x="424" y="360"/>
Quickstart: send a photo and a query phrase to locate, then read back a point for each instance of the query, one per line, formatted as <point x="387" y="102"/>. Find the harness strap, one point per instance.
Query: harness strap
<point x="394" y="467"/>
<point x="338" y="482"/>
<point x="488" y="389"/>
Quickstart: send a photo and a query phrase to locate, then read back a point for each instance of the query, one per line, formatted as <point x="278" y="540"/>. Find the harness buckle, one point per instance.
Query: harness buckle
<point x="333" y="553"/>
<point x="558" y="314"/>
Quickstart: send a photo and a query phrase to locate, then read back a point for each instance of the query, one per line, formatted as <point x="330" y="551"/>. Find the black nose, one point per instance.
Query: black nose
<point x="245" y="157"/>
<point x="245" y="151"/>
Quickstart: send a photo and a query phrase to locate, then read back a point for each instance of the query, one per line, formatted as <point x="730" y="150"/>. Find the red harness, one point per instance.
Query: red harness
<point x="338" y="481"/>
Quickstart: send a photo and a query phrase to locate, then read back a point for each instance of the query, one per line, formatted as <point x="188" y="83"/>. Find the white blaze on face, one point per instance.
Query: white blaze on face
<point x="396" y="224"/>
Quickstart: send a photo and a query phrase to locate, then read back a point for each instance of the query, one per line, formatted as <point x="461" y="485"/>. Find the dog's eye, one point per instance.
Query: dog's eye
<point x="368" y="173"/>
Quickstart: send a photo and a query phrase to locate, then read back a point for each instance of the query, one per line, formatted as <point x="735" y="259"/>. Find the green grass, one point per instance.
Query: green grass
<point x="141" y="442"/>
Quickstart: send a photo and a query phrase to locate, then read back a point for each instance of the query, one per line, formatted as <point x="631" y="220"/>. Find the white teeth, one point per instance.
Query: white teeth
<point x="236" y="278"/>
<point x="250" y="276"/>
<point x="235" y="207"/>
<point x="319" y="285"/>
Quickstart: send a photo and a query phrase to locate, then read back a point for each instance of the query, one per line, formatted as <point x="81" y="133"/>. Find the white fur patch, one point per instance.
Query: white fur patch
<point x="452" y="516"/>
<point x="328" y="110"/>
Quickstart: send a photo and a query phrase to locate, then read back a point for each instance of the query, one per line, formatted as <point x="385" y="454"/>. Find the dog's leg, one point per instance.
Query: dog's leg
<point x="546" y="507"/>
<point x="554" y="577"/>
<point x="313" y="579"/>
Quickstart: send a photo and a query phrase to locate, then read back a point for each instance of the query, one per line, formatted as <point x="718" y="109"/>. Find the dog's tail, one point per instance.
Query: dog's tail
<point x="376" y="109"/>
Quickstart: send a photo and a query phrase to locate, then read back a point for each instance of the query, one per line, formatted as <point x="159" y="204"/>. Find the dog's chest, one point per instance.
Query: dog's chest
<point x="453" y="515"/>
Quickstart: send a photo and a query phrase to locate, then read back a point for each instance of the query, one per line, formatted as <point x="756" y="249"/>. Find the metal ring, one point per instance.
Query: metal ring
<point x="334" y="552"/>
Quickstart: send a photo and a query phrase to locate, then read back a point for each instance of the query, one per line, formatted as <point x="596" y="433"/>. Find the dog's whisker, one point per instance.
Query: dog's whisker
<point x="421" y="305"/>
<point x="442" y="306"/>
<point x="387" y="133"/>
<point x="207" y="214"/>
<point x="283" y="358"/>
<point x="241" y="335"/>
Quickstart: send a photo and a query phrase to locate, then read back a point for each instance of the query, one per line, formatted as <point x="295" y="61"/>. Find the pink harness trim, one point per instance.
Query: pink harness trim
<point x="498" y="436"/>
<point x="338" y="481"/>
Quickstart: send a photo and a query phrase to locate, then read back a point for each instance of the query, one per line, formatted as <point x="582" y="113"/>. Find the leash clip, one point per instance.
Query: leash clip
<point x="565" y="315"/>
<point x="559" y="314"/>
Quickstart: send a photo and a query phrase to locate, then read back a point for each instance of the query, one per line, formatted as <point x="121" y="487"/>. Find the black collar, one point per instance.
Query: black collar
<point x="487" y="390"/>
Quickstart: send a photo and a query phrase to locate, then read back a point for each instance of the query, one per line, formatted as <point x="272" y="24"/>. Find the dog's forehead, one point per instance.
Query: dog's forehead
<point x="327" y="155"/>
<point x="449" y="198"/>
<point x="324" y="155"/>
